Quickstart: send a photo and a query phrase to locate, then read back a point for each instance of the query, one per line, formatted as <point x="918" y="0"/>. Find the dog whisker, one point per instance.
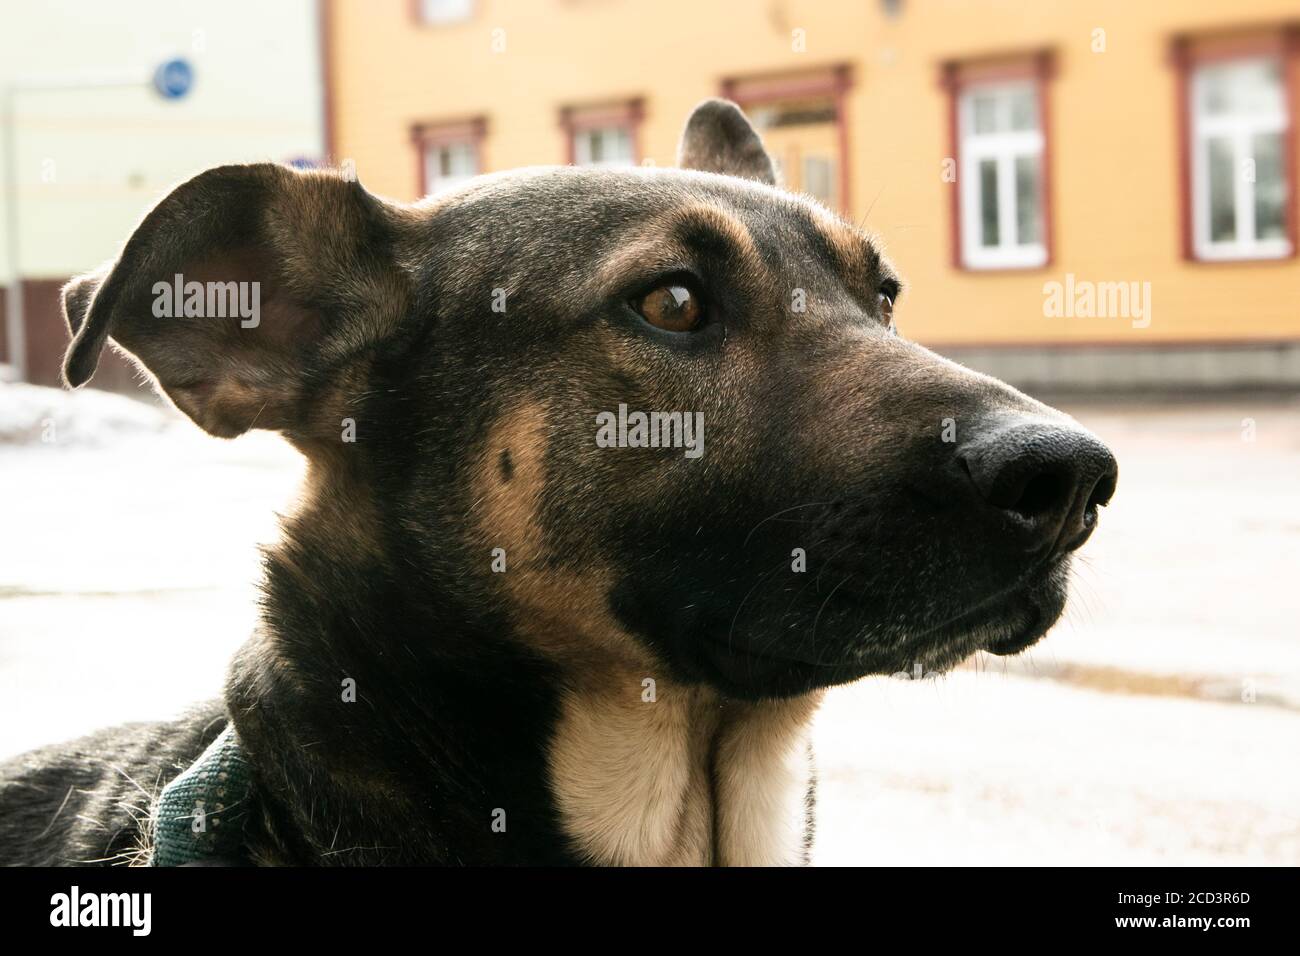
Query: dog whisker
<point x="810" y="504"/>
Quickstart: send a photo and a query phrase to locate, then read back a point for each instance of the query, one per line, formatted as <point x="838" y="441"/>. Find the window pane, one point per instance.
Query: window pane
<point x="819" y="178"/>
<point x="1270" y="187"/>
<point x="984" y="108"/>
<point x="622" y="146"/>
<point x="603" y="146"/>
<point x="1242" y="87"/>
<point x="446" y="11"/>
<point x="988" y="202"/>
<point x="1001" y="195"/>
<point x="450" y="164"/>
<point x="456" y="159"/>
<point x="1223" y="212"/>
<point x="466" y="162"/>
<point x="1027" y="219"/>
<point x="1024" y="109"/>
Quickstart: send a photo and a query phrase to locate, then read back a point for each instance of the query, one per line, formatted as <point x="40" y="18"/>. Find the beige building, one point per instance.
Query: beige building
<point x="1077" y="193"/>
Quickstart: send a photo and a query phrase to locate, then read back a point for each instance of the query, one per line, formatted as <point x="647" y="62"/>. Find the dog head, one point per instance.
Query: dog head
<point x="662" y="415"/>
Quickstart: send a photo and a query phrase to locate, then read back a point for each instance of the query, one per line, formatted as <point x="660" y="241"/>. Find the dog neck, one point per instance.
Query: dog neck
<point x="454" y="727"/>
<point x="592" y="773"/>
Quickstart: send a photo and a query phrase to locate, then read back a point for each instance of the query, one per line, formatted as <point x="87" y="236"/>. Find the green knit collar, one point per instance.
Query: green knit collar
<point x="199" y="818"/>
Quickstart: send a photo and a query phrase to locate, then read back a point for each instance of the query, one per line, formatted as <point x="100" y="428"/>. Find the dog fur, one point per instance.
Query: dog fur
<point x="636" y="686"/>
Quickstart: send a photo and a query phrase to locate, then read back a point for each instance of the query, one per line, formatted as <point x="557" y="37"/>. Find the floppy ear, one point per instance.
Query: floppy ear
<point x="719" y="139"/>
<point x="243" y="293"/>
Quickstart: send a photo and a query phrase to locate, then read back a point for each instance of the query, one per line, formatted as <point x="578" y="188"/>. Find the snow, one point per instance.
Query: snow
<point x="31" y="414"/>
<point x="1160" y="723"/>
<point x="986" y="769"/>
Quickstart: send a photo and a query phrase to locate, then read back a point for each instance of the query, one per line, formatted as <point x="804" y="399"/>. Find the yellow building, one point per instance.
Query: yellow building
<point x="1054" y="179"/>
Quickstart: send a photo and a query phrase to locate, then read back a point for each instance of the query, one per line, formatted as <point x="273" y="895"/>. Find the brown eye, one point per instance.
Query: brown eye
<point x="885" y="303"/>
<point x="673" y="308"/>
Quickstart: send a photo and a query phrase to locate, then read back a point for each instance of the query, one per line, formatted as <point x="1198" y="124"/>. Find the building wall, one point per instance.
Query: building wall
<point x="91" y="162"/>
<point x="1115" y="190"/>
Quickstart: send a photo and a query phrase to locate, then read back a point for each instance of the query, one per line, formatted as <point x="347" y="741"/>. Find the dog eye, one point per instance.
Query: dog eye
<point x="886" y="306"/>
<point x="671" y="307"/>
<point x="886" y="293"/>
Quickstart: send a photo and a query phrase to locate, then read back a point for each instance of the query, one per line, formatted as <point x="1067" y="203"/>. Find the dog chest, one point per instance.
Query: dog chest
<point x="685" y="779"/>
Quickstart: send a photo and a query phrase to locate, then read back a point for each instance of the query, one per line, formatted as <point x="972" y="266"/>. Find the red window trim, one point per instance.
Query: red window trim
<point x="954" y="77"/>
<point x="625" y="113"/>
<point x="1188" y="51"/>
<point x="834" y="81"/>
<point x="424" y="135"/>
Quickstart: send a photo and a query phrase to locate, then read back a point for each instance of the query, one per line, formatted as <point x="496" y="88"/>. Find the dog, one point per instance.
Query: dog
<point x="611" y="473"/>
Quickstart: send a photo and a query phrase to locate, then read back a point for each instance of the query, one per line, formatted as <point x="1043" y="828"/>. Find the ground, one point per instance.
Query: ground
<point x="1159" y="722"/>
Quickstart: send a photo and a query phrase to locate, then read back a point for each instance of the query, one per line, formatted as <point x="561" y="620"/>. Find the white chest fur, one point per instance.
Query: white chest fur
<point x="686" y="779"/>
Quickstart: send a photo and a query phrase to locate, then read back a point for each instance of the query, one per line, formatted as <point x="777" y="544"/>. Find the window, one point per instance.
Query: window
<point x="603" y="146"/>
<point x="1239" y="180"/>
<point x="440" y="12"/>
<point x="802" y="136"/>
<point x="447" y="165"/>
<point x="603" y="135"/>
<point x="449" y="154"/>
<point x="1000" y="175"/>
<point x="803" y="121"/>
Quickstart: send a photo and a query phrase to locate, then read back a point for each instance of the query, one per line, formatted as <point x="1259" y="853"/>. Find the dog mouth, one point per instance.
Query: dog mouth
<point x="1021" y="638"/>
<point x="1004" y="624"/>
<point x="729" y="649"/>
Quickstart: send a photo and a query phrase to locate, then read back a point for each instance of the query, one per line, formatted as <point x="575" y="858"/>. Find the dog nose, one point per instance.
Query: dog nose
<point x="1048" y="479"/>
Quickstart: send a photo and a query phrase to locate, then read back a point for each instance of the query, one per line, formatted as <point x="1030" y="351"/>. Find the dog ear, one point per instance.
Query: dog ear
<point x="719" y="139"/>
<point x="241" y="291"/>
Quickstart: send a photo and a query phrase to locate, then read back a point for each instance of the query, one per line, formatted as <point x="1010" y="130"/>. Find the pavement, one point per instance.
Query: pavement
<point x="1158" y="723"/>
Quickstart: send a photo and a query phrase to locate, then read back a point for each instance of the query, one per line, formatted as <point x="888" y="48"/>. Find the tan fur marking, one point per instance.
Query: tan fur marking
<point x="857" y="250"/>
<point x="332" y="498"/>
<point x="658" y="244"/>
<point x="853" y="247"/>
<point x="561" y="612"/>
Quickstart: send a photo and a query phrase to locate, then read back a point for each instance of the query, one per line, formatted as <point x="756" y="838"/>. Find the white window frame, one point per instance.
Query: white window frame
<point x="1240" y="130"/>
<point x="434" y="181"/>
<point x="443" y="13"/>
<point x="582" y="145"/>
<point x="1005" y="147"/>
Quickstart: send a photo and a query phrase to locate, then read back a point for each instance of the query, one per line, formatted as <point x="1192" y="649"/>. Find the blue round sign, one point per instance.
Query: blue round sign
<point x="173" y="79"/>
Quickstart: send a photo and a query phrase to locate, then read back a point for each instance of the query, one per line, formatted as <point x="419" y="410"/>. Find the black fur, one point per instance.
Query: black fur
<point x="85" y="803"/>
